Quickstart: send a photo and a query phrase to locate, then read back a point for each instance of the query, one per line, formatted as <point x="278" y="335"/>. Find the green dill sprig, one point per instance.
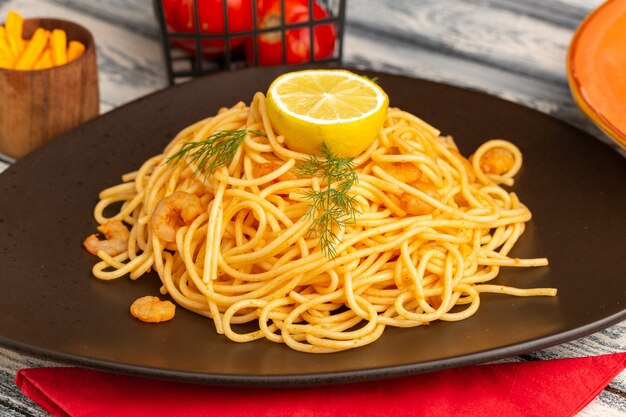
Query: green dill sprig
<point x="331" y="207"/>
<point x="215" y="151"/>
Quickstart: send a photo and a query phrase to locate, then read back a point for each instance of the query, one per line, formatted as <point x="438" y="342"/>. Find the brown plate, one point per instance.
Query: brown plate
<point x="50" y="305"/>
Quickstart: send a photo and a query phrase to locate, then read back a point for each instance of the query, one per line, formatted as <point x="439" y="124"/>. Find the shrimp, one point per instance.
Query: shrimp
<point x="174" y="211"/>
<point x="152" y="310"/>
<point x="261" y="170"/>
<point x="435" y="301"/>
<point x="497" y="161"/>
<point x="416" y="206"/>
<point x="405" y="172"/>
<point x="471" y="177"/>
<point x="116" y="240"/>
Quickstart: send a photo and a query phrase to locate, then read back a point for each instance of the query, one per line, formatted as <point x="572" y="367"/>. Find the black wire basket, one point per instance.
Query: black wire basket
<point x="240" y="33"/>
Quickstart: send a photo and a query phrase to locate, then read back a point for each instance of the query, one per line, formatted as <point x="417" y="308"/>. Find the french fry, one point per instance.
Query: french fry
<point x="7" y="59"/>
<point x="44" y="61"/>
<point x="6" y="62"/>
<point x="34" y="49"/>
<point x="45" y="49"/>
<point x="5" y="49"/>
<point x="58" y="45"/>
<point x="74" y="50"/>
<point x="14" y="25"/>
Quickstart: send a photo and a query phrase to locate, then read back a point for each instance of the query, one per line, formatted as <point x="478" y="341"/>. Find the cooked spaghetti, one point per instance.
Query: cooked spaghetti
<point x="431" y="229"/>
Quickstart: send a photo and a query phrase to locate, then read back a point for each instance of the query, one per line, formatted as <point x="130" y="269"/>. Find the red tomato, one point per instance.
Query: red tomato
<point x="180" y="17"/>
<point x="298" y="40"/>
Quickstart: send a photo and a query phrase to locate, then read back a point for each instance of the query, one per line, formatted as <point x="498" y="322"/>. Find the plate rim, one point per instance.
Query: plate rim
<point x="322" y="378"/>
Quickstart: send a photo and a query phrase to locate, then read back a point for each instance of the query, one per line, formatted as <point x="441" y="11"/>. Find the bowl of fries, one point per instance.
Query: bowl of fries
<point x="48" y="81"/>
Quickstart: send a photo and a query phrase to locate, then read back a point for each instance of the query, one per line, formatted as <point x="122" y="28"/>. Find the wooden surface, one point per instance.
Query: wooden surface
<point x="514" y="49"/>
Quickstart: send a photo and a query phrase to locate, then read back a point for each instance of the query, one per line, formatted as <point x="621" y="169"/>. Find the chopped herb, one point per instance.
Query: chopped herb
<point x="215" y="151"/>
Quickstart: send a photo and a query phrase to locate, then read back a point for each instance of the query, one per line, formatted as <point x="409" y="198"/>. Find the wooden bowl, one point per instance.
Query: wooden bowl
<point x="38" y="105"/>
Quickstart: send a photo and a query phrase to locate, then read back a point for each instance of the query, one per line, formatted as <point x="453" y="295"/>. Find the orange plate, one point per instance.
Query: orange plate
<point x="596" y="68"/>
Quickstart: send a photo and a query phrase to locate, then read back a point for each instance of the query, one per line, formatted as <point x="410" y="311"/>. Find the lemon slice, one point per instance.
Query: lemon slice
<point x="336" y="107"/>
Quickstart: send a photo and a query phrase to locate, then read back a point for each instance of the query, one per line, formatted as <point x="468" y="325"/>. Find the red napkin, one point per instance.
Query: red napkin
<point x="542" y="388"/>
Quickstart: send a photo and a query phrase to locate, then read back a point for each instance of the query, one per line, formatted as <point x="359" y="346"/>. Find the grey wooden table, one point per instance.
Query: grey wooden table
<point x="514" y="49"/>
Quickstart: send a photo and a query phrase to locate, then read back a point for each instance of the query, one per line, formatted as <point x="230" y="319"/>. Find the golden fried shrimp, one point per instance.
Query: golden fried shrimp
<point x="497" y="161"/>
<point x="402" y="171"/>
<point x="471" y="177"/>
<point x="435" y="301"/>
<point x="174" y="211"/>
<point x="416" y="206"/>
<point x="261" y="170"/>
<point x="116" y="240"/>
<point x="152" y="310"/>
